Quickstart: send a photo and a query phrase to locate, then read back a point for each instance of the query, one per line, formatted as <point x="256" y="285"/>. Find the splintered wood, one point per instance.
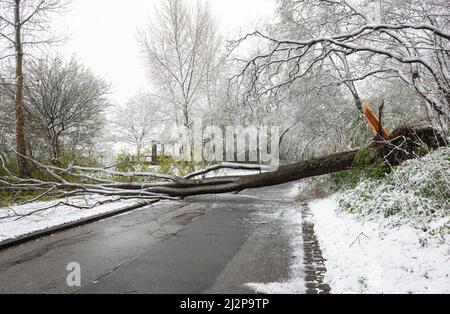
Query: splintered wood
<point x="374" y="122"/>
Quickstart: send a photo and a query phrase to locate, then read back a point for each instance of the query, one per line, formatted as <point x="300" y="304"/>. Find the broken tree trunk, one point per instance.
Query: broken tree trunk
<point x="284" y="174"/>
<point x="375" y="122"/>
<point x="401" y="145"/>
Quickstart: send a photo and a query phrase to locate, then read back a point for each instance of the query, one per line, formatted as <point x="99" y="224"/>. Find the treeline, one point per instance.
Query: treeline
<point x="50" y="109"/>
<point x="308" y="71"/>
<point x="64" y="105"/>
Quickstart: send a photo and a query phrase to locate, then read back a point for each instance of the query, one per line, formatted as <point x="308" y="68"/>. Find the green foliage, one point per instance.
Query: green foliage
<point x="78" y="158"/>
<point x="168" y="165"/>
<point x="127" y="163"/>
<point x="370" y="165"/>
<point x="9" y="197"/>
<point x="14" y="197"/>
<point x="359" y="133"/>
<point x="366" y="165"/>
<point x="416" y="193"/>
<point x="124" y="162"/>
<point x="11" y="164"/>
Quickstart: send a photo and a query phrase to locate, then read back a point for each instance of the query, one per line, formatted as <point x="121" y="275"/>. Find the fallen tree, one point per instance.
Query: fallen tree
<point x="402" y="144"/>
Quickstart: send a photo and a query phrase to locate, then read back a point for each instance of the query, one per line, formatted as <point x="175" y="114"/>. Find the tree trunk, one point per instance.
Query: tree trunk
<point x="20" y="119"/>
<point x="56" y="149"/>
<point x="403" y="144"/>
<point x="304" y="169"/>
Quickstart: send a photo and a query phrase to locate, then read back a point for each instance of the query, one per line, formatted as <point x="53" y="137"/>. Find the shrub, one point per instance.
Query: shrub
<point x="366" y="165"/>
<point x="415" y="193"/>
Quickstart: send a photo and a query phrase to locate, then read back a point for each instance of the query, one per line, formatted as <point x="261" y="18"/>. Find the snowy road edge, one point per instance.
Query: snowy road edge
<point x="7" y="244"/>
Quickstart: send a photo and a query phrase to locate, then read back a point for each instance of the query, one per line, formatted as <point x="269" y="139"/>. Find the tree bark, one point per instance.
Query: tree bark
<point x="403" y="144"/>
<point x="310" y="168"/>
<point x="20" y="119"/>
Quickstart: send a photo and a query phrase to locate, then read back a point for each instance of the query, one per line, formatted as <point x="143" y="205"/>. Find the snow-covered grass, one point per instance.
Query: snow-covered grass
<point x="369" y="257"/>
<point x="390" y="235"/>
<point x="54" y="214"/>
<point x="417" y="194"/>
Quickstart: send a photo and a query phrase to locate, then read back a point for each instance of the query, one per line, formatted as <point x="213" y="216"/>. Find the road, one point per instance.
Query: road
<point x="208" y="244"/>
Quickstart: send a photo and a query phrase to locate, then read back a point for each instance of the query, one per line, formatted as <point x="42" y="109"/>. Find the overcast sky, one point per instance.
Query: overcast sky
<point x="103" y="35"/>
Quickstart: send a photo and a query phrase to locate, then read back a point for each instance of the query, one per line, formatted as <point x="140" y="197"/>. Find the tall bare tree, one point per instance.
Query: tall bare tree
<point x="180" y="46"/>
<point x="138" y="120"/>
<point x="407" y="40"/>
<point x="24" y="24"/>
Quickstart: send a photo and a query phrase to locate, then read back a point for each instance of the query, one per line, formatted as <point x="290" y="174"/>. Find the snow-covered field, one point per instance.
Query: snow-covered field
<point x="55" y="215"/>
<point x="369" y="257"/>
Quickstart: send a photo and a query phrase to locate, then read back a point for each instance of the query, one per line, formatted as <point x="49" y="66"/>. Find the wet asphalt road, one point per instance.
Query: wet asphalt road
<point x="208" y="244"/>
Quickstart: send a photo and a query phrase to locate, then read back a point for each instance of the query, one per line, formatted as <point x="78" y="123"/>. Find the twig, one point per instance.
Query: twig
<point x="358" y="239"/>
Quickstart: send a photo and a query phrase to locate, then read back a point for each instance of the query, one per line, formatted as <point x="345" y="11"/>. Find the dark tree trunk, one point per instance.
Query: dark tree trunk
<point x="305" y="169"/>
<point x="20" y="119"/>
<point x="56" y="149"/>
<point x="402" y="145"/>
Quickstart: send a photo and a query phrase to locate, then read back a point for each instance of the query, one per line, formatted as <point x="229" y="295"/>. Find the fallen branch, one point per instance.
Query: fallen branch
<point x="227" y="165"/>
<point x="358" y="239"/>
<point x="402" y="144"/>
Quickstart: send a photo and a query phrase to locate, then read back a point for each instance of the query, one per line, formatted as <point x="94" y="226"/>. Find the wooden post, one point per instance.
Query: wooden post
<point x="154" y="154"/>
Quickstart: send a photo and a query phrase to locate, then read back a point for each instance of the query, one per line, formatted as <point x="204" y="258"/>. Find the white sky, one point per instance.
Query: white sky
<point x="103" y="35"/>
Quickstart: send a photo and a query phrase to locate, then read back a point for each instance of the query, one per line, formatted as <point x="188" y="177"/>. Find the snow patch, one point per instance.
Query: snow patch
<point x="56" y="215"/>
<point x="293" y="286"/>
<point x="369" y="257"/>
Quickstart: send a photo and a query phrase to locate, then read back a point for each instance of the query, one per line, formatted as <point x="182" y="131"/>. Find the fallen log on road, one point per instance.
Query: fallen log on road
<point x="401" y="145"/>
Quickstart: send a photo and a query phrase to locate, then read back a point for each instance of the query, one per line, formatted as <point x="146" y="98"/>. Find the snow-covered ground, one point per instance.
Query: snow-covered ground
<point x="369" y="257"/>
<point x="54" y="215"/>
<point x="363" y="256"/>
